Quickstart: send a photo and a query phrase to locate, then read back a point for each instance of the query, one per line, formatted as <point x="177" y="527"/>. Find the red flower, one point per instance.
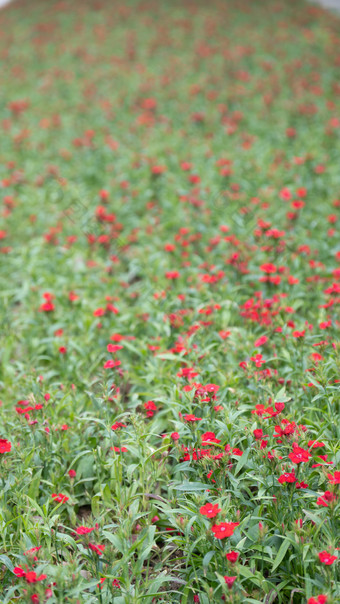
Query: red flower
<point x="31" y="551"/>
<point x="189" y="417"/>
<point x="230" y="581"/>
<point x="156" y="170"/>
<point x="285" y="194"/>
<point x="321" y="599"/>
<point x="117" y="426"/>
<point x="113" y="347"/>
<point x="99" y="312"/>
<point x="334" y="478"/>
<point x="326" y="558"/>
<point x="72" y="473"/>
<point x="258" y="360"/>
<point x="172" y="275"/>
<point x="174" y="436"/>
<point x="84" y="530"/>
<point x="46" y="307"/>
<point x="119" y="450"/>
<point x="19" y="572"/>
<point x="232" y="557"/>
<point x="31" y="577"/>
<point x="59" y="497"/>
<point x="225" y="529"/>
<point x="261" y="341"/>
<point x="287" y="477"/>
<point x="209" y="437"/>
<point x="209" y="510"/>
<point x="5" y="445"/>
<point x="299" y="455"/>
<point x="259" y="410"/>
<point x="237" y="452"/>
<point x="224" y="334"/>
<point x="268" y="268"/>
<point x="150" y="406"/>
<point x="111" y="363"/>
<point x="98" y="549"/>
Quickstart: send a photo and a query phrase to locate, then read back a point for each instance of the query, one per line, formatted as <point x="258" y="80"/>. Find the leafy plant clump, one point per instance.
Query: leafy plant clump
<point x="169" y="301"/>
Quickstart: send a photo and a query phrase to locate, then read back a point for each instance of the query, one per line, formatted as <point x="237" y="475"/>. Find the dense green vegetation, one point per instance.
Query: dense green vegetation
<point x="170" y="286"/>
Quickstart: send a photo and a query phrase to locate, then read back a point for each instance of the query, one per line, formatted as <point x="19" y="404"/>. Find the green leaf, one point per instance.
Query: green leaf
<point x="207" y="558"/>
<point x="33" y="490"/>
<point x="242" y="461"/>
<point x="191" y="487"/>
<point x="281" y="554"/>
<point x="7" y="562"/>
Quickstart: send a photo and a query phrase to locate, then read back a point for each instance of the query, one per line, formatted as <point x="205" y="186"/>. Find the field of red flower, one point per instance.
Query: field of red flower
<point x="170" y="288"/>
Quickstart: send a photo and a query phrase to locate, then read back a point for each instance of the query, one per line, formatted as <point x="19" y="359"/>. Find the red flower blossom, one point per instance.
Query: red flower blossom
<point x="258" y="360"/>
<point x="321" y="599"/>
<point x="113" y="347"/>
<point x="268" y="268"/>
<point x="237" y="452"/>
<point x="98" y="549"/>
<point x="315" y="444"/>
<point x="327" y="558"/>
<point x="32" y="551"/>
<point x="84" y="530"/>
<point x="224" y="334"/>
<point x="156" y="170"/>
<point x="232" y="557"/>
<point x="117" y="426"/>
<point x="5" y="445"/>
<point x="326" y="498"/>
<point x="189" y="417"/>
<point x="299" y="334"/>
<point x="334" y="478"/>
<point x="209" y="437"/>
<point x="111" y="363"/>
<point x="223" y="530"/>
<point x="172" y="275"/>
<point x="287" y="477"/>
<point x="261" y="341"/>
<point x="46" y="307"/>
<point x="299" y="455"/>
<point x="59" y="497"/>
<point x="31" y="577"/>
<point x="230" y="581"/>
<point x="210" y="510"/>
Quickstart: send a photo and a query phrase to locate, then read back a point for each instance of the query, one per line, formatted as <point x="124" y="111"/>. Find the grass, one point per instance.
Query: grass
<point x="170" y="286"/>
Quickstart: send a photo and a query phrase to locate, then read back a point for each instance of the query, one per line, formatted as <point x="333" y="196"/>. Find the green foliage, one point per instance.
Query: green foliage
<point x="170" y="280"/>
